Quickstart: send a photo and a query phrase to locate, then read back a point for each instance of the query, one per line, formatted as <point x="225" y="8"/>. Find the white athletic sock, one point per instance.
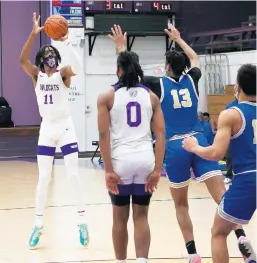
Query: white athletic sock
<point x="81" y="217"/>
<point x="39" y="221"/>
<point x="121" y="261"/>
<point x="141" y="260"/>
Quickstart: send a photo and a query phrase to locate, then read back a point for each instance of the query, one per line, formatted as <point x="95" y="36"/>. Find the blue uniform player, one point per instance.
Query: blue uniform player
<point x="178" y="92"/>
<point x="238" y="204"/>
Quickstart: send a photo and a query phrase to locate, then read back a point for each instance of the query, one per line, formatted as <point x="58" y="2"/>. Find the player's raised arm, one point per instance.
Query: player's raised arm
<point x="118" y="38"/>
<point x="26" y="65"/>
<point x="221" y="141"/>
<point x="75" y="62"/>
<point x="174" y="34"/>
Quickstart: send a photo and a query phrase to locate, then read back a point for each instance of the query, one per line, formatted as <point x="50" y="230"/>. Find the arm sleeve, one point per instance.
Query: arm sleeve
<point x="74" y="57"/>
<point x="195" y="74"/>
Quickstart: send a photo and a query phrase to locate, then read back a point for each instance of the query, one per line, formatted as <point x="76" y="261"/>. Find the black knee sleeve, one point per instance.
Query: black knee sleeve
<point x="143" y="200"/>
<point x="120" y="200"/>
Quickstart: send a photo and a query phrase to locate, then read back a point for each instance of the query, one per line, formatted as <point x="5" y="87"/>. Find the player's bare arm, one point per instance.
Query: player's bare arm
<point x="112" y="179"/>
<point x="118" y="38"/>
<point x="226" y="127"/>
<point x="25" y="63"/>
<point x="103" y="129"/>
<point x="158" y="128"/>
<point x="174" y="34"/>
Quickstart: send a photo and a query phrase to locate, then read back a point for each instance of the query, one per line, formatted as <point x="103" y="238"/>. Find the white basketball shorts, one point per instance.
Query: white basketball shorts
<point x="62" y="133"/>
<point x="134" y="169"/>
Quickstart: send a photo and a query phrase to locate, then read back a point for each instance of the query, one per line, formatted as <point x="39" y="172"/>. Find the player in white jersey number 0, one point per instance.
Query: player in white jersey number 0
<point x="57" y="128"/>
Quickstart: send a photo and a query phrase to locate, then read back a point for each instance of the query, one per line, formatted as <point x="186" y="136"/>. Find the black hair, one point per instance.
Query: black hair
<point x="206" y="114"/>
<point x="40" y="54"/>
<point x="178" y="61"/>
<point x="132" y="71"/>
<point x="246" y="79"/>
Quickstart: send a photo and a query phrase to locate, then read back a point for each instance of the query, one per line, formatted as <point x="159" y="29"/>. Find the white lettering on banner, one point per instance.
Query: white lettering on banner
<point x="77" y="88"/>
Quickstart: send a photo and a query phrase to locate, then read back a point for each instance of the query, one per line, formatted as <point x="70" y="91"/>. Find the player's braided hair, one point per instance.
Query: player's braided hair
<point x="133" y="73"/>
<point x="40" y="54"/>
<point x="178" y="62"/>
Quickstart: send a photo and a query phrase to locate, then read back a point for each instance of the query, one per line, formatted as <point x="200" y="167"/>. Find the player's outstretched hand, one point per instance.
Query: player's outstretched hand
<point x="112" y="180"/>
<point x="118" y="37"/>
<point x="36" y="28"/>
<point x="189" y="143"/>
<point x="172" y="32"/>
<point x="152" y="182"/>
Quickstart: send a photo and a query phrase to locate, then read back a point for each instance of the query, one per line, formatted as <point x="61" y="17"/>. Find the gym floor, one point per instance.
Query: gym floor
<point x="60" y="241"/>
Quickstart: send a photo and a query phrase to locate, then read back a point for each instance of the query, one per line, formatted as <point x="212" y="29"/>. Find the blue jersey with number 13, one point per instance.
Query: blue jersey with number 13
<point x="179" y="102"/>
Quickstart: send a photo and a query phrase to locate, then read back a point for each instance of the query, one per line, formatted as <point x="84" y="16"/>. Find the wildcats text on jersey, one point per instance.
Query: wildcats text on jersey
<point x="49" y="87"/>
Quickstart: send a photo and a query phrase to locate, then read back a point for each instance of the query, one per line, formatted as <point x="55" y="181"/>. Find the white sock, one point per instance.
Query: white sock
<point x="39" y="221"/>
<point x="81" y="217"/>
<point x="141" y="260"/>
<point x="121" y="261"/>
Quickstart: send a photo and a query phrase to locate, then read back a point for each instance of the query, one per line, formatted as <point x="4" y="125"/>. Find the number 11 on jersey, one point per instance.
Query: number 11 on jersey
<point x="48" y="99"/>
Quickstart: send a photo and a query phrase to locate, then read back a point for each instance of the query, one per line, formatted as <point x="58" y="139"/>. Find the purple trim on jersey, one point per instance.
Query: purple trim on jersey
<point x="142" y="86"/>
<point x="118" y="85"/>
<point x="69" y="148"/>
<point x="132" y="189"/>
<point x="45" y="150"/>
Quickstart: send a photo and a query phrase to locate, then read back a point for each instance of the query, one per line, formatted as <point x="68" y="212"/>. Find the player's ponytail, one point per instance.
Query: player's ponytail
<point x="178" y="62"/>
<point x="132" y="71"/>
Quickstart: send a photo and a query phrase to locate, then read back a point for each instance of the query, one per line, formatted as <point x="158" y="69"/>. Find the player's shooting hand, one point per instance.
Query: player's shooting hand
<point x="152" y="181"/>
<point x="119" y="38"/>
<point x="189" y="143"/>
<point x="112" y="180"/>
<point x="172" y="32"/>
<point x="36" y="28"/>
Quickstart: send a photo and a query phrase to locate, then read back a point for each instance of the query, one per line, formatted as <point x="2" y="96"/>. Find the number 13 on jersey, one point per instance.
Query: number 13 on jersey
<point x="181" y="98"/>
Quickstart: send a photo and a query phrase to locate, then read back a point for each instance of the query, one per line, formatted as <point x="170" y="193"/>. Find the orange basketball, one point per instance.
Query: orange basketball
<point x="56" y="26"/>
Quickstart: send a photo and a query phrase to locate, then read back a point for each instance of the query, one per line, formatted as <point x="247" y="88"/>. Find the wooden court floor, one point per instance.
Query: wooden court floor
<point x="60" y="241"/>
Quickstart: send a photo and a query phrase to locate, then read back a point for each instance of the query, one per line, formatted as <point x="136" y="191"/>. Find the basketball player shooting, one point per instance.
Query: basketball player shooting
<point x="236" y="130"/>
<point x="179" y="92"/>
<point x="52" y="91"/>
<point x="126" y="115"/>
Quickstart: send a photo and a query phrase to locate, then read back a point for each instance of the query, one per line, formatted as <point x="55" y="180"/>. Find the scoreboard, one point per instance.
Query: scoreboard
<point x="131" y="6"/>
<point x="73" y="11"/>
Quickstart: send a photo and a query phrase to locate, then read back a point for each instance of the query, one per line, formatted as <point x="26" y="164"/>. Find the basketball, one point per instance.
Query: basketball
<point x="56" y="26"/>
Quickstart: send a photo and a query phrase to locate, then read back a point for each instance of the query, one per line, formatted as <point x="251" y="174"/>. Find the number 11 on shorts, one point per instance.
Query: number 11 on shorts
<point x="48" y="99"/>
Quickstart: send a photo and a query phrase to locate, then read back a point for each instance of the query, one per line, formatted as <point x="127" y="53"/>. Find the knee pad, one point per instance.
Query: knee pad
<point x="120" y="200"/>
<point x="143" y="200"/>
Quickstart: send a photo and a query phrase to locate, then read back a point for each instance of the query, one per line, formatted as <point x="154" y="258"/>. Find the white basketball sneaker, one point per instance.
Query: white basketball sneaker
<point x="247" y="250"/>
<point x="194" y="258"/>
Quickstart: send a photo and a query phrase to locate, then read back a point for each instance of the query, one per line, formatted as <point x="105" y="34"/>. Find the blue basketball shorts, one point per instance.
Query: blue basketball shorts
<point x="179" y="162"/>
<point x="239" y="202"/>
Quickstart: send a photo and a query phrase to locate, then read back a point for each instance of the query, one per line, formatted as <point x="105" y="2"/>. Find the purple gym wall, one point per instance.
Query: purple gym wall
<point x="16" y="24"/>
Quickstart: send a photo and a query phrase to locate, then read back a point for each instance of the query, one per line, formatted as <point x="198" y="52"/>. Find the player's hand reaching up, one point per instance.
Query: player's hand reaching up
<point x="119" y="39"/>
<point x="189" y="143"/>
<point x="112" y="180"/>
<point x="36" y="28"/>
<point x="152" y="182"/>
<point x="172" y="32"/>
